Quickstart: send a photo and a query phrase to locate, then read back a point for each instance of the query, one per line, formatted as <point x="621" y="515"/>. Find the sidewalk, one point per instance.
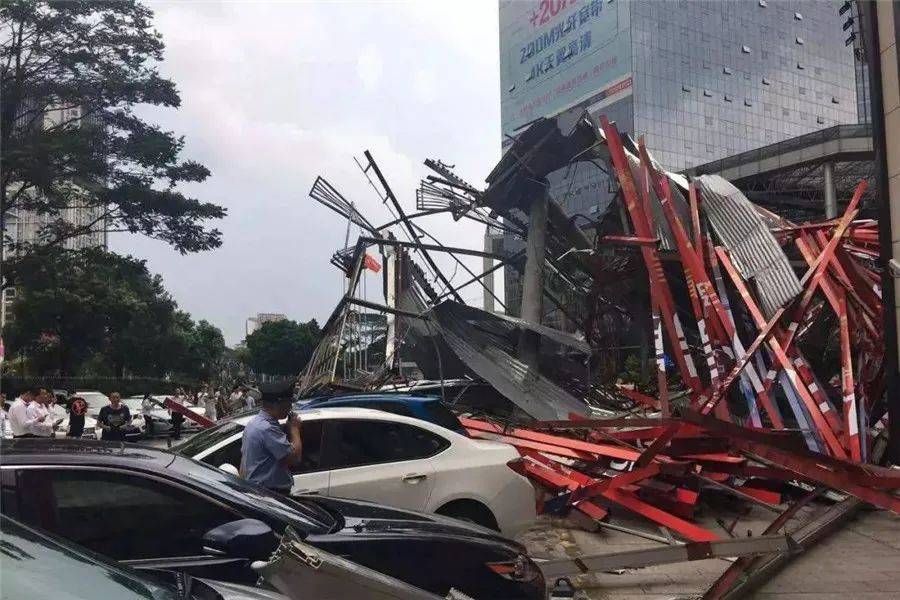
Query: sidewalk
<point x="860" y="561"/>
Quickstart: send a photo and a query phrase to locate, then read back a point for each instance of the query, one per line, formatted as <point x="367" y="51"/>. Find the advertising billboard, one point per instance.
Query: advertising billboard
<point x="555" y="54"/>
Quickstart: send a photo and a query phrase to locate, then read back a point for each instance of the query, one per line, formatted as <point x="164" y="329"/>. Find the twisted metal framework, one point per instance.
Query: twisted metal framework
<point x="327" y="195"/>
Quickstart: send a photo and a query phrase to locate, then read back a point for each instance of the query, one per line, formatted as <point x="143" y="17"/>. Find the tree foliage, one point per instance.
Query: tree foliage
<point x="96" y="308"/>
<point x="72" y="73"/>
<point x="282" y="347"/>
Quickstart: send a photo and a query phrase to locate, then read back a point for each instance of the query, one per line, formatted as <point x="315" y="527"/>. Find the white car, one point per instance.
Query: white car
<point x="391" y="459"/>
<point x="90" y="424"/>
<point x="162" y="419"/>
<point x="95" y="401"/>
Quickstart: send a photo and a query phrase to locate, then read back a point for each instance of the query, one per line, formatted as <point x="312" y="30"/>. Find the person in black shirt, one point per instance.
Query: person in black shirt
<point x="77" y="410"/>
<point x="114" y="418"/>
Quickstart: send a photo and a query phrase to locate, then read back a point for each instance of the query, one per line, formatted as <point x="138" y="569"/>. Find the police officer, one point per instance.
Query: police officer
<point x="267" y="452"/>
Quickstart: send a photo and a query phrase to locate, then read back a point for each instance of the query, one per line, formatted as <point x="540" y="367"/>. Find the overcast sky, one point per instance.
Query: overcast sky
<point x="274" y="94"/>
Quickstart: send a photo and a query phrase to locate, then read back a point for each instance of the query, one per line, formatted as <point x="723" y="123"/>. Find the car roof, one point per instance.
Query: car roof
<point x="405" y="398"/>
<point x="134" y="457"/>
<point x="70" y="451"/>
<point x="351" y="412"/>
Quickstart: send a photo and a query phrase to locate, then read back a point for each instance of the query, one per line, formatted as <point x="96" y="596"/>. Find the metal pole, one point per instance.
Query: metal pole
<point x="887" y="210"/>
<point x="487" y="267"/>
<point x="830" y="193"/>
<point x="533" y="281"/>
<point x="409" y="228"/>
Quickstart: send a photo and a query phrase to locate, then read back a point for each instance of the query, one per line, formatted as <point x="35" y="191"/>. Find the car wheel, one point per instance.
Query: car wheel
<point x="471" y="511"/>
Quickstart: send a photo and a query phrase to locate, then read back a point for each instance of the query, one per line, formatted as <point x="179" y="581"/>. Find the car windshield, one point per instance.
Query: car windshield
<point x="35" y="565"/>
<point x="208" y="438"/>
<point x="304" y="515"/>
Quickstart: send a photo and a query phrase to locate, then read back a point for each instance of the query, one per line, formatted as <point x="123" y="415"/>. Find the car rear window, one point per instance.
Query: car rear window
<point x="441" y="415"/>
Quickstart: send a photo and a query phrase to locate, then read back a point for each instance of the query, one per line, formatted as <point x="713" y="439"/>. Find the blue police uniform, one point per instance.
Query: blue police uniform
<point x="264" y="445"/>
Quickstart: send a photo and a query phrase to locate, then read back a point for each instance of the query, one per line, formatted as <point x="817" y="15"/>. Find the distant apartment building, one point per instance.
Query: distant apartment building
<point x="23" y="226"/>
<point x="254" y="323"/>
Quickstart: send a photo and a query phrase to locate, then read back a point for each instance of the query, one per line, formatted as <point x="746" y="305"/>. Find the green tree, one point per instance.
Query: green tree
<point x="95" y="307"/>
<point x="206" y="347"/>
<point x="282" y="347"/>
<point x="72" y="74"/>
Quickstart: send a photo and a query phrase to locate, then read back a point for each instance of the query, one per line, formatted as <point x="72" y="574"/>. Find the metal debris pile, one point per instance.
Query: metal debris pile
<point x="768" y="344"/>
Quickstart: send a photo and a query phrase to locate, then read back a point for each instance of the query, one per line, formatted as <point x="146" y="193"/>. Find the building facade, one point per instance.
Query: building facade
<point x="23" y="226"/>
<point x="254" y="323"/>
<point x="699" y="79"/>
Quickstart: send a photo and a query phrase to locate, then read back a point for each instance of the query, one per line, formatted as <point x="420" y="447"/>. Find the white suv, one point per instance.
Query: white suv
<point x="391" y="459"/>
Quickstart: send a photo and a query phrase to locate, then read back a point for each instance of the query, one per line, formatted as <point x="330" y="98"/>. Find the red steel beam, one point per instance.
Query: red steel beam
<point x="618" y="481"/>
<point x="818" y="412"/>
<point x="814" y="275"/>
<point x="629" y="501"/>
<point x="697" y="275"/>
<point x="686" y="253"/>
<point x="554" y="441"/>
<point x="530" y="445"/>
<point x="199" y="419"/>
<point x="659" y="288"/>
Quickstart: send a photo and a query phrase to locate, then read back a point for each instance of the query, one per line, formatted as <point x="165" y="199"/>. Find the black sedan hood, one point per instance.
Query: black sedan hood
<point x="367" y="520"/>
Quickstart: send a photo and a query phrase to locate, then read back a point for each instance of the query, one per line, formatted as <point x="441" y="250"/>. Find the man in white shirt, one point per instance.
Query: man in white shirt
<point x="250" y="397"/>
<point x="40" y="420"/>
<point x="18" y="415"/>
<point x="235" y="402"/>
<point x="207" y="399"/>
<point x="4" y="418"/>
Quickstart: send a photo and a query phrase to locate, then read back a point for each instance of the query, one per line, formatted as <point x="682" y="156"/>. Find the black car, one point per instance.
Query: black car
<point x="154" y="509"/>
<point x="38" y="565"/>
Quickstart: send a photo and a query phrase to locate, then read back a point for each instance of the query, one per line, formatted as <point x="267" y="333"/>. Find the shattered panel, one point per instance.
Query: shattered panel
<point x="483" y="351"/>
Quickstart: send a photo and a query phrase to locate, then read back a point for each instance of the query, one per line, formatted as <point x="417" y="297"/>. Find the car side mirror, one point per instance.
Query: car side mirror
<point x="229" y="468"/>
<point x="246" y="538"/>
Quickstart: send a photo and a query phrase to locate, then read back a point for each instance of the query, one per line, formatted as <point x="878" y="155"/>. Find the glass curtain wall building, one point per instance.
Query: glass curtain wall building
<point x="699" y="79"/>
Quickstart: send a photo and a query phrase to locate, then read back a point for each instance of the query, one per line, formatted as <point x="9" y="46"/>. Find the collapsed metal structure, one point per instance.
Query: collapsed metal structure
<point x="768" y="346"/>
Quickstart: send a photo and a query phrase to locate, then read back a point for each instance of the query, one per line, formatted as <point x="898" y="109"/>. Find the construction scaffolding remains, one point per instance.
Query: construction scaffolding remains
<point x="768" y="381"/>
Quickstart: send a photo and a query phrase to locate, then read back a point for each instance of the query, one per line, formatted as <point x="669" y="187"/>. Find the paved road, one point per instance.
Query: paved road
<point x="861" y="561"/>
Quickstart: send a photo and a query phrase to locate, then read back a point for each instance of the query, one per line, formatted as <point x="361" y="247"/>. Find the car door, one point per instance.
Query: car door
<point x="381" y="461"/>
<point x="143" y="520"/>
<point x="311" y="476"/>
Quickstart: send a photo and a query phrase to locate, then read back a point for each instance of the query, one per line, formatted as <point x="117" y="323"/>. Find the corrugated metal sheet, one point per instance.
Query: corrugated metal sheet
<point x="754" y="250"/>
<point x="485" y="355"/>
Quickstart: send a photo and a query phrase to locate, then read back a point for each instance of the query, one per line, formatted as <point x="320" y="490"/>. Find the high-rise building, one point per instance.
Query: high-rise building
<point x="22" y="226"/>
<point x="254" y="323"/>
<point x="700" y="79"/>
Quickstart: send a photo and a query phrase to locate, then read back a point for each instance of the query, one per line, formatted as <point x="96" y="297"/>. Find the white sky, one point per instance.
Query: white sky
<point x="275" y="93"/>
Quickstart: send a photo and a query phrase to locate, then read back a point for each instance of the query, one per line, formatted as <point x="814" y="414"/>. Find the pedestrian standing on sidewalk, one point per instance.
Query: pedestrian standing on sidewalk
<point x="250" y="397"/>
<point x="235" y="403"/>
<point x="5" y="430"/>
<point x="114" y="418"/>
<point x="267" y="453"/>
<point x="147" y="407"/>
<point x="221" y="402"/>
<point x="18" y="415"/>
<point x="77" y="409"/>
<point x="40" y="421"/>
<point x="208" y="401"/>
